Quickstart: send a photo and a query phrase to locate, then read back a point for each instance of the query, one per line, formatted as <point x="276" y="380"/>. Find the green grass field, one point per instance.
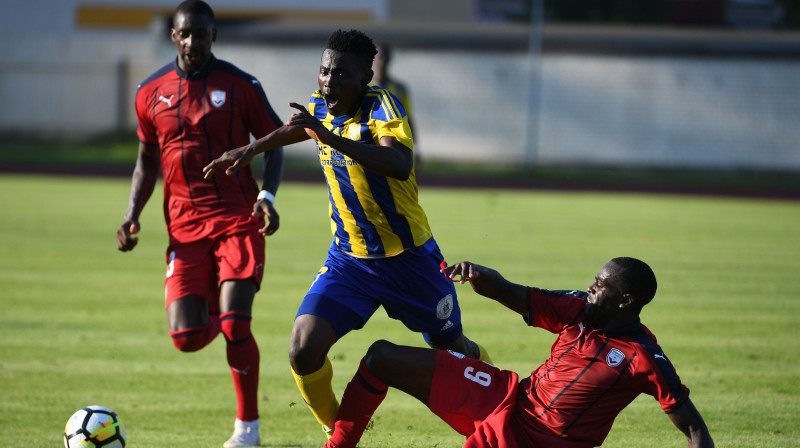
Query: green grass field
<point x="83" y="324"/>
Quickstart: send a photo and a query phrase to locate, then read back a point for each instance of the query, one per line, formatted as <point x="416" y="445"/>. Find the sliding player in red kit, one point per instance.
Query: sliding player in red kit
<point x="601" y="361"/>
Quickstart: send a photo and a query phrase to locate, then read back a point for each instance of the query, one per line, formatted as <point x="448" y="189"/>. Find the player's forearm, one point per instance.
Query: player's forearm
<point x="513" y="296"/>
<point x="273" y="170"/>
<point x="390" y="161"/>
<point x="701" y="440"/>
<point x="283" y="136"/>
<point x="689" y="421"/>
<point x="143" y="183"/>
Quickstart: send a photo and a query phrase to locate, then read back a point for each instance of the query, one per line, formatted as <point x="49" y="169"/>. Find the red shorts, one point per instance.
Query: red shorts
<point x="199" y="267"/>
<point x="474" y="398"/>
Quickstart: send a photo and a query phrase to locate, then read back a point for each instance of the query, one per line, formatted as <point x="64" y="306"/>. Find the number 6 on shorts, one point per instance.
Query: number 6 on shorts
<point x="481" y="378"/>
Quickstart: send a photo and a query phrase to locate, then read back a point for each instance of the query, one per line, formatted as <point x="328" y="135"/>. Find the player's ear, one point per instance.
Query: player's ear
<point x="627" y="301"/>
<point x="213" y="34"/>
<point x="368" y="74"/>
<point x="173" y="35"/>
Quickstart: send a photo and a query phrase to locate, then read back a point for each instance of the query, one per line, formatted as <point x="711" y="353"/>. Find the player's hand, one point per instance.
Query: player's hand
<point x="313" y="127"/>
<point x="239" y="157"/>
<point x="125" y="241"/>
<point x="466" y="270"/>
<point x="272" y="221"/>
<point x="482" y="279"/>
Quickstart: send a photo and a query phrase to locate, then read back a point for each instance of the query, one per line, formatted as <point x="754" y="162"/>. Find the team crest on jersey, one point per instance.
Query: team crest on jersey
<point x="217" y="98"/>
<point x="445" y="307"/>
<point x="355" y="132"/>
<point x="614" y="357"/>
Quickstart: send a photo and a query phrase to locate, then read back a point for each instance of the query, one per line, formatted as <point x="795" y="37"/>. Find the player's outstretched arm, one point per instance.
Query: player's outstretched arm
<point x="391" y="158"/>
<point x="690" y="422"/>
<point x="489" y="283"/>
<point x="238" y="157"/>
<point x="143" y="183"/>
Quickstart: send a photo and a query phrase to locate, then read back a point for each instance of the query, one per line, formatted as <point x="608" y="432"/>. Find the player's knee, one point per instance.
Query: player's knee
<point x="379" y="356"/>
<point x="305" y="358"/>
<point x="236" y="327"/>
<point x="188" y="340"/>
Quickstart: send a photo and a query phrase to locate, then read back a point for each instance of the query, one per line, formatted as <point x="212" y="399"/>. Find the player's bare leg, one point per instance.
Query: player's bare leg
<point x="312" y="337"/>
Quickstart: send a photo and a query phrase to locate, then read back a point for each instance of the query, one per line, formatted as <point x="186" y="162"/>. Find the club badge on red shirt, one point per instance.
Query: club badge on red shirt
<point x="217" y="98"/>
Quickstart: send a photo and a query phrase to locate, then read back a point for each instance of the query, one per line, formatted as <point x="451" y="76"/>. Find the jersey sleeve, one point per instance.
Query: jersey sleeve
<point x="552" y="310"/>
<point x="260" y="117"/>
<point x="146" y="130"/>
<point x="391" y="119"/>
<point x="656" y="376"/>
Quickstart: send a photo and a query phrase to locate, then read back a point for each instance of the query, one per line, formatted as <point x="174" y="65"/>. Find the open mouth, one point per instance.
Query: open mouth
<point x="192" y="58"/>
<point x="330" y="101"/>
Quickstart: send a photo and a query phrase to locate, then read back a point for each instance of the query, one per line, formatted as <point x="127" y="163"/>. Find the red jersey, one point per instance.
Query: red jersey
<point x="195" y="119"/>
<point x="592" y="374"/>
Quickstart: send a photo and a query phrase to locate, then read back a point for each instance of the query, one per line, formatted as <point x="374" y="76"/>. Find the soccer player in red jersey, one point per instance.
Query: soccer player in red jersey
<point x="603" y="358"/>
<point x="189" y="112"/>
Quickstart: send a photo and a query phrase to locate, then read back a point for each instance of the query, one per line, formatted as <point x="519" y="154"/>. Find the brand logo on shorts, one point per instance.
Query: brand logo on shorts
<point x="171" y="264"/>
<point x="614" y="357"/>
<point x="217" y="98"/>
<point x="445" y="307"/>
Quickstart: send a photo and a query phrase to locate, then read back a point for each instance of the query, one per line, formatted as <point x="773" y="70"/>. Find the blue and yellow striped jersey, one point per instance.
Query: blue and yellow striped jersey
<point x="371" y="215"/>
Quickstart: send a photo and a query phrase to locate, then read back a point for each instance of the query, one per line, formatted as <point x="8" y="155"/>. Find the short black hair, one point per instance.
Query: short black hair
<point x="637" y="279"/>
<point x="195" y="7"/>
<point x="355" y="42"/>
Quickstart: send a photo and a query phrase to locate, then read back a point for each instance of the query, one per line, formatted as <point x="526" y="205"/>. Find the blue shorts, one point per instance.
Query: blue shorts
<point x="348" y="290"/>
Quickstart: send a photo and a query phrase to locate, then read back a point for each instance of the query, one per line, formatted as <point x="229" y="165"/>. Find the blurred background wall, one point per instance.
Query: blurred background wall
<point x="677" y="83"/>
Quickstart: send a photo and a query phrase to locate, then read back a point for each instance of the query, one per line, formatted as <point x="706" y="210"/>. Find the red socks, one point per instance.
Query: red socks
<point x="361" y="398"/>
<point x="243" y="359"/>
<point x="243" y="355"/>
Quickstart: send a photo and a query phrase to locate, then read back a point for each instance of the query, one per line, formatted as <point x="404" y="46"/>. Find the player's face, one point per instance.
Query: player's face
<point x="193" y="34"/>
<point x="604" y="298"/>
<point x="343" y="77"/>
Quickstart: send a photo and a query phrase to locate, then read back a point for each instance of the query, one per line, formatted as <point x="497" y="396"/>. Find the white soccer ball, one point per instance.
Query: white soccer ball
<point x="94" y="426"/>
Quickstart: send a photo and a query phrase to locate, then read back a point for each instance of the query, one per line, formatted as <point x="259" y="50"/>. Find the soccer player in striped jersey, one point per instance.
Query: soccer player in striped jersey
<point x="603" y="358"/>
<point x="189" y="112"/>
<point x="383" y="251"/>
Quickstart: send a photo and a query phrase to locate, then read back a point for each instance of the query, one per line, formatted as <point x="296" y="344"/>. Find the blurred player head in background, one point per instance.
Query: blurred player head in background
<point x="382" y="59"/>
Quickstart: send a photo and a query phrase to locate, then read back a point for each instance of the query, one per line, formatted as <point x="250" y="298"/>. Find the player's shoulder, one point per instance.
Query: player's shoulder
<point x="383" y="104"/>
<point x="158" y="76"/>
<point x="229" y="69"/>
<point x="646" y="343"/>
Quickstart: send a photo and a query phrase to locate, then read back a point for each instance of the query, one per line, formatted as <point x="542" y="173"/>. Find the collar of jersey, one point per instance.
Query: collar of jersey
<point x="199" y="75"/>
<point x="622" y="331"/>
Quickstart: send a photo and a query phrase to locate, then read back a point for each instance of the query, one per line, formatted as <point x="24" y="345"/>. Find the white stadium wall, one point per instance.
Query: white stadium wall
<point x="469" y="105"/>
